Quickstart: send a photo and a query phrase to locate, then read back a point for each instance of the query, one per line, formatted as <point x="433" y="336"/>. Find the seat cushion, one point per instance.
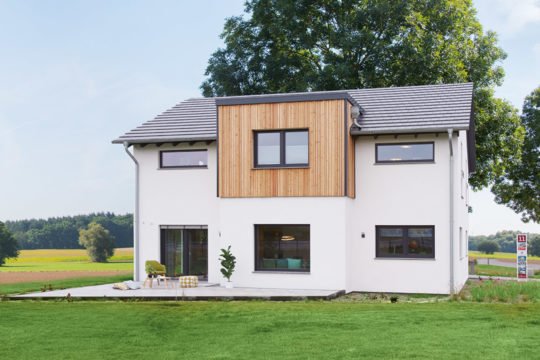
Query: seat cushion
<point x="188" y="281"/>
<point x="294" y="263"/>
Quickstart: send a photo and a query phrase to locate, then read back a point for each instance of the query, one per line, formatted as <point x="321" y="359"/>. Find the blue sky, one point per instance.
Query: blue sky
<point x="76" y="74"/>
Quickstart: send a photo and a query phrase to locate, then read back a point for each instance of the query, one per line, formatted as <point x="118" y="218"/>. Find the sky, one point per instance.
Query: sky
<point x="74" y="75"/>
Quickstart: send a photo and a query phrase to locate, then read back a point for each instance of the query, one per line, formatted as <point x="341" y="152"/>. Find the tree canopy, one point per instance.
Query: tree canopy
<point x="488" y="247"/>
<point x="63" y="232"/>
<point x="98" y="242"/>
<point x="519" y="187"/>
<point x="305" y="45"/>
<point x="8" y="245"/>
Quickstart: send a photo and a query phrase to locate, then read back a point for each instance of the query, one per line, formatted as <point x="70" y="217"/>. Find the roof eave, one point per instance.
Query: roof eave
<point x="432" y="129"/>
<point x="163" y="140"/>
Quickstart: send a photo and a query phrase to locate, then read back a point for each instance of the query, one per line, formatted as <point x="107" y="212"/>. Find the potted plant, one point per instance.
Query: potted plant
<point x="228" y="263"/>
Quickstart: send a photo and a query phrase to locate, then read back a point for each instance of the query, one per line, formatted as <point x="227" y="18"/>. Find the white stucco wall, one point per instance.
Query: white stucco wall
<point x="326" y="217"/>
<point x="176" y="197"/>
<point x="399" y="194"/>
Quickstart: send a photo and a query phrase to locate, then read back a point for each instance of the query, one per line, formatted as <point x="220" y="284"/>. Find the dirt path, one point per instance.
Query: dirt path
<point x="16" y="277"/>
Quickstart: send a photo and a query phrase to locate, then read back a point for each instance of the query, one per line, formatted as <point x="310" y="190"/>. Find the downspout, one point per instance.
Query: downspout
<point x="135" y="215"/>
<point x="451" y="207"/>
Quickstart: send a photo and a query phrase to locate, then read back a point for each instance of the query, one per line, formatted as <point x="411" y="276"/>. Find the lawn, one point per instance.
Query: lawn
<point x="67" y="260"/>
<point x="35" y="286"/>
<point x="495" y="270"/>
<point x="267" y="330"/>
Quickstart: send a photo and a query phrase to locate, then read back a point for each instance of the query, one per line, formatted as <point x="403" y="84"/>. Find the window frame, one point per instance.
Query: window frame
<point x="282" y="149"/>
<point x="405" y="240"/>
<point x="161" y="166"/>
<point x="256" y="248"/>
<point x="432" y="160"/>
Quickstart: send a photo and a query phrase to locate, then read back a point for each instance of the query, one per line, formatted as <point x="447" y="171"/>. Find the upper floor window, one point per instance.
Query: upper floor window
<point x="183" y="159"/>
<point x="283" y="148"/>
<point x="404" y="152"/>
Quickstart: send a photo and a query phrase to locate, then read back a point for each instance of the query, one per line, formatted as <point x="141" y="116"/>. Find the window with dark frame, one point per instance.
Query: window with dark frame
<point x="404" y="152"/>
<point x="281" y="148"/>
<point x="282" y="248"/>
<point x="170" y="159"/>
<point x="405" y="241"/>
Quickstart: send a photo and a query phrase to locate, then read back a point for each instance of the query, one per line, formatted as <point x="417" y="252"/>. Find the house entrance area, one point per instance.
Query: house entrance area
<point x="184" y="250"/>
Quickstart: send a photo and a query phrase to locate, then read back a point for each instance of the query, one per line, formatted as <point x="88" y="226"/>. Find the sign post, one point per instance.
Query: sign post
<point x="521" y="256"/>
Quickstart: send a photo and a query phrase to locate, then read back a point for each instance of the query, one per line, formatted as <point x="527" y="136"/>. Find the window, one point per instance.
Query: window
<point x="282" y="248"/>
<point x="404" y="152"/>
<point x="281" y="148"/>
<point x="461" y="244"/>
<point x="183" y="159"/>
<point x="405" y="241"/>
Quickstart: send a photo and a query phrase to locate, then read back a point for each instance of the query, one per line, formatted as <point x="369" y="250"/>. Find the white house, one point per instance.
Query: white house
<point x="357" y="190"/>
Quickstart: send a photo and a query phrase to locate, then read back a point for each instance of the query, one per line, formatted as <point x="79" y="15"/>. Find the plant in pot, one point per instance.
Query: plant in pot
<point x="228" y="263"/>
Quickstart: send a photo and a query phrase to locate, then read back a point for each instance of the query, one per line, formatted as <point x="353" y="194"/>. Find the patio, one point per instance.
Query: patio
<point x="205" y="291"/>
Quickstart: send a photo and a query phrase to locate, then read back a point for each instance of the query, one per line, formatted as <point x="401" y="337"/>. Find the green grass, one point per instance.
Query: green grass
<point x="26" y="287"/>
<point x="495" y="270"/>
<point x="503" y="291"/>
<point x="498" y="255"/>
<point x="267" y="330"/>
<point x="67" y="260"/>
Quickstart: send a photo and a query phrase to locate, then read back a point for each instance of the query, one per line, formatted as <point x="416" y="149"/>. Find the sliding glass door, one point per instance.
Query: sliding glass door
<point x="184" y="250"/>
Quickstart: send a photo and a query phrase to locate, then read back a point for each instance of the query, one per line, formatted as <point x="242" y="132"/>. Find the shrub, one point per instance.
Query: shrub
<point x="488" y="247"/>
<point x="98" y="242"/>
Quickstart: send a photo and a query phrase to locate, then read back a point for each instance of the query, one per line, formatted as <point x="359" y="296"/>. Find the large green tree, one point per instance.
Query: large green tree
<point x="519" y="187"/>
<point x="303" y="45"/>
<point x="98" y="242"/>
<point x="8" y="245"/>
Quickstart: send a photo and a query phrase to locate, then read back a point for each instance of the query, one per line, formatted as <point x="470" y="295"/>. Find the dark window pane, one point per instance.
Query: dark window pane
<point x="296" y="147"/>
<point x="184" y="158"/>
<point x="405" y="241"/>
<point x="390" y="242"/>
<point x="268" y="149"/>
<point x="282" y="247"/>
<point x="420" y="241"/>
<point x="404" y="152"/>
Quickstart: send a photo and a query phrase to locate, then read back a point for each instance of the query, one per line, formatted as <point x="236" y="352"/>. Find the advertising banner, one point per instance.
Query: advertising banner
<point x="521" y="256"/>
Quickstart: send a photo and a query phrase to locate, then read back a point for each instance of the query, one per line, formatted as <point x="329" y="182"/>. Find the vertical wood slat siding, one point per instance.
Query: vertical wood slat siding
<point x="326" y="173"/>
<point x="351" y="177"/>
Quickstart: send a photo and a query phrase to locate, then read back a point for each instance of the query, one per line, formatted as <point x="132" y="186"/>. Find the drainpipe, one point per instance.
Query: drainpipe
<point x="135" y="215"/>
<point x="451" y="195"/>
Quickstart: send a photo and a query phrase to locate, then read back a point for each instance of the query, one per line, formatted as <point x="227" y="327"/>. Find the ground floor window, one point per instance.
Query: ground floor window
<point x="282" y="248"/>
<point x="405" y="241"/>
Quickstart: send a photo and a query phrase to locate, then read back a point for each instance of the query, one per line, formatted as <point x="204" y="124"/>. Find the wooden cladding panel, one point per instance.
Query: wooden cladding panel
<point x="351" y="178"/>
<point x="326" y="172"/>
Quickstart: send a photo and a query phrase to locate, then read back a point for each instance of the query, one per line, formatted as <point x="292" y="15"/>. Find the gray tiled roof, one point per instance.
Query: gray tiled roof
<point x="407" y="109"/>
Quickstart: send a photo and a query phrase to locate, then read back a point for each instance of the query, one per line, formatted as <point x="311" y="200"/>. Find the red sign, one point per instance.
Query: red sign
<point x="521" y="256"/>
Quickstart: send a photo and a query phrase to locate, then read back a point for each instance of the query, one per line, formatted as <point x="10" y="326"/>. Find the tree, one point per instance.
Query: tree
<point x="8" y="245"/>
<point x="519" y="187"/>
<point x="98" y="242"/>
<point x="488" y="247"/>
<point x="309" y="45"/>
<point x="534" y="246"/>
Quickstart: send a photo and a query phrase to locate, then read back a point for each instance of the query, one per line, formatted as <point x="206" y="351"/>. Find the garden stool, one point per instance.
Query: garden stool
<point x="188" y="281"/>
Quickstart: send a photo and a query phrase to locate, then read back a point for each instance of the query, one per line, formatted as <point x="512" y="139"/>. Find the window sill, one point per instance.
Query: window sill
<point x="281" y="272"/>
<point x="405" y="163"/>
<point x="183" y="168"/>
<point x="404" y="258"/>
<point x="279" y="167"/>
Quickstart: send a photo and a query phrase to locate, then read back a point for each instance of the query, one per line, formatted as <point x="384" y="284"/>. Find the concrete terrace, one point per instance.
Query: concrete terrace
<point x="205" y="291"/>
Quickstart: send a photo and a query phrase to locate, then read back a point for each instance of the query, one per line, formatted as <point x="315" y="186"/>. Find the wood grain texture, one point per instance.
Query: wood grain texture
<point x="326" y="172"/>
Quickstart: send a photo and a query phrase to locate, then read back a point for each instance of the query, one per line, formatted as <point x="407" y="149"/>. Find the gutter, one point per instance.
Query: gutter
<point x="135" y="215"/>
<point x="451" y="208"/>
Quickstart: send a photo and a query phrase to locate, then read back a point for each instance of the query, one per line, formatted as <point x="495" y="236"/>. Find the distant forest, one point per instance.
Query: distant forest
<point x="506" y="240"/>
<point x="63" y="232"/>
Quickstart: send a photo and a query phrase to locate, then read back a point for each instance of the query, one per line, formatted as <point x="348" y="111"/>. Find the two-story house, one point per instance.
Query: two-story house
<point x="360" y="190"/>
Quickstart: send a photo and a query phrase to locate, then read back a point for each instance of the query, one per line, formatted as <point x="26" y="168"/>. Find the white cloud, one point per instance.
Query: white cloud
<point x="508" y="17"/>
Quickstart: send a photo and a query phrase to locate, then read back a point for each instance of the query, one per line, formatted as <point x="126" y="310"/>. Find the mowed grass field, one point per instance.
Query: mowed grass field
<point x="501" y="256"/>
<point x="34" y="270"/>
<point x="268" y="330"/>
